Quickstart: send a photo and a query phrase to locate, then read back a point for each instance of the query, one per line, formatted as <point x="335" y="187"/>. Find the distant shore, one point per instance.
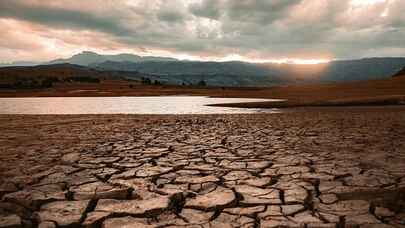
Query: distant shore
<point x="365" y="93"/>
<point x="367" y="101"/>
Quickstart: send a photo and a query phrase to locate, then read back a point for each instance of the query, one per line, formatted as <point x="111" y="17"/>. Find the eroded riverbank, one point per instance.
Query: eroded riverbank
<point x="319" y="168"/>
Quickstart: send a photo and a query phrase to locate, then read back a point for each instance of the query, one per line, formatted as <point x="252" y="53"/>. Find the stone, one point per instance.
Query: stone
<point x="126" y="222"/>
<point x="54" y="178"/>
<point x="218" y="199"/>
<point x="127" y="164"/>
<point x="10" y="221"/>
<point x="297" y="194"/>
<point x="153" y="171"/>
<point x="63" y="213"/>
<point x="167" y="219"/>
<point x="276" y="222"/>
<point x="320" y="225"/>
<point x="196" y="216"/>
<point x="203" y="188"/>
<point x="146" y="208"/>
<point x="330" y="218"/>
<point x="328" y="198"/>
<point x="94" y="218"/>
<point x="257" y="196"/>
<point x="70" y="158"/>
<point x="289" y="210"/>
<point x="237" y="175"/>
<point x="289" y="170"/>
<point x="35" y="197"/>
<point x="196" y="180"/>
<point x="100" y="190"/>
<point x="106" y="173"/>
<point x="225" y="219"/>
<point x="258" y="164"/>
<point x="245" y="210"/>
<point x="361" y="219"/>
<point x="382" y="212"/>
<point x="170" y="189"/>
<point x="344" y="208"/>
<point x="104" y="159"/>
<point x="81" y="177"/>
<point x="271" y="211"/>
<point x="305" y="217"/>
<point x="125" y="175"/>
<point x="47" y="224"/>
<point x="141" y="187"/>
<point x="257" y="182"/>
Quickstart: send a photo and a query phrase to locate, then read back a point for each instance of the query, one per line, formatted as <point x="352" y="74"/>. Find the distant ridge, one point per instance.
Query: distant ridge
<point x="263" y="74"/>
<point x="86" y="58"/>
<point x="235" y="73"/>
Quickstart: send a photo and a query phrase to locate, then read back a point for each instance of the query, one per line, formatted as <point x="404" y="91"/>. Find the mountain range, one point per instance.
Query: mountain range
<point x="265" y="74"/>
<point x="234" y="73"/>
<point x="87" y="58"/>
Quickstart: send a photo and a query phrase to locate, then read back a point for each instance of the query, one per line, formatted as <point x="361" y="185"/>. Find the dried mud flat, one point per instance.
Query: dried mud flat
<point x="306" y="169"/>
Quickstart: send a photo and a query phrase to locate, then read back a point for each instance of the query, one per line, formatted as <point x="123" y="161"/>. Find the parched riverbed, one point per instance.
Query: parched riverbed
<point x="329" y="168"/>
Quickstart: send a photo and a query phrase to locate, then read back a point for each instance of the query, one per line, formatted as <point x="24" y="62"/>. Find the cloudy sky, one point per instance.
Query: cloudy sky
<point x="253" y="30"/>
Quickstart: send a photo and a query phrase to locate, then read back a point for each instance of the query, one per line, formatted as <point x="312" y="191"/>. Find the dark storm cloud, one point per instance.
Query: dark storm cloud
<point x="260" y="11"/>
<point x="58" y="17"/>
<point x="208" y="8"/>
<point x="260" y="28"/>
<point x="171" y="16"/>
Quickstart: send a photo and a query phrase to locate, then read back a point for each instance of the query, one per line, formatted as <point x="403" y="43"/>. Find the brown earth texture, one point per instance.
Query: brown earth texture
<point x="317" y="168"/>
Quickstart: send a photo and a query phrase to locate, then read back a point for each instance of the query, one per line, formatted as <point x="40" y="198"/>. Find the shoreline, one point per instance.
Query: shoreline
<point x="375" y="101"/>
<point x="364" y="93"/>
<point x="395" y="100"/>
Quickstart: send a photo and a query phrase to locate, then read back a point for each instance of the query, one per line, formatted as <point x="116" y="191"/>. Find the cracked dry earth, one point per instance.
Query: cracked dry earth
<point x="312" y="169"/>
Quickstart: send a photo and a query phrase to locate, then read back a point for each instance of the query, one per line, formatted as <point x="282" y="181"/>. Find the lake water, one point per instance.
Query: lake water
<point x="125" y="105"/>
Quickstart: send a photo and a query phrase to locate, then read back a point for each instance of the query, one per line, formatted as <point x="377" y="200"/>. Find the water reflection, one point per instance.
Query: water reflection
<point x="124" y="105"/>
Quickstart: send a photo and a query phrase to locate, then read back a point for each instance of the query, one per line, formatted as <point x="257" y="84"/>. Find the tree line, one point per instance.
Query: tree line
<point x="148" y="81"/>
<point x="44" y="82"/>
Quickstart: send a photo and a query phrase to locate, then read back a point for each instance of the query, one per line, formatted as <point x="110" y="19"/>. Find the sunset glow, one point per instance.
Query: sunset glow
<point x="302" y="32"/>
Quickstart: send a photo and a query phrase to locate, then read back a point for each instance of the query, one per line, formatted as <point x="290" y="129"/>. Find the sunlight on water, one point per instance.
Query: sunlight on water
<point x="125" y="105"/>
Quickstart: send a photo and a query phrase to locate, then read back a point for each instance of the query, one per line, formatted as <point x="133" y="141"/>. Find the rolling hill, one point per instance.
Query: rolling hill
<point x="44" y="75"/>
